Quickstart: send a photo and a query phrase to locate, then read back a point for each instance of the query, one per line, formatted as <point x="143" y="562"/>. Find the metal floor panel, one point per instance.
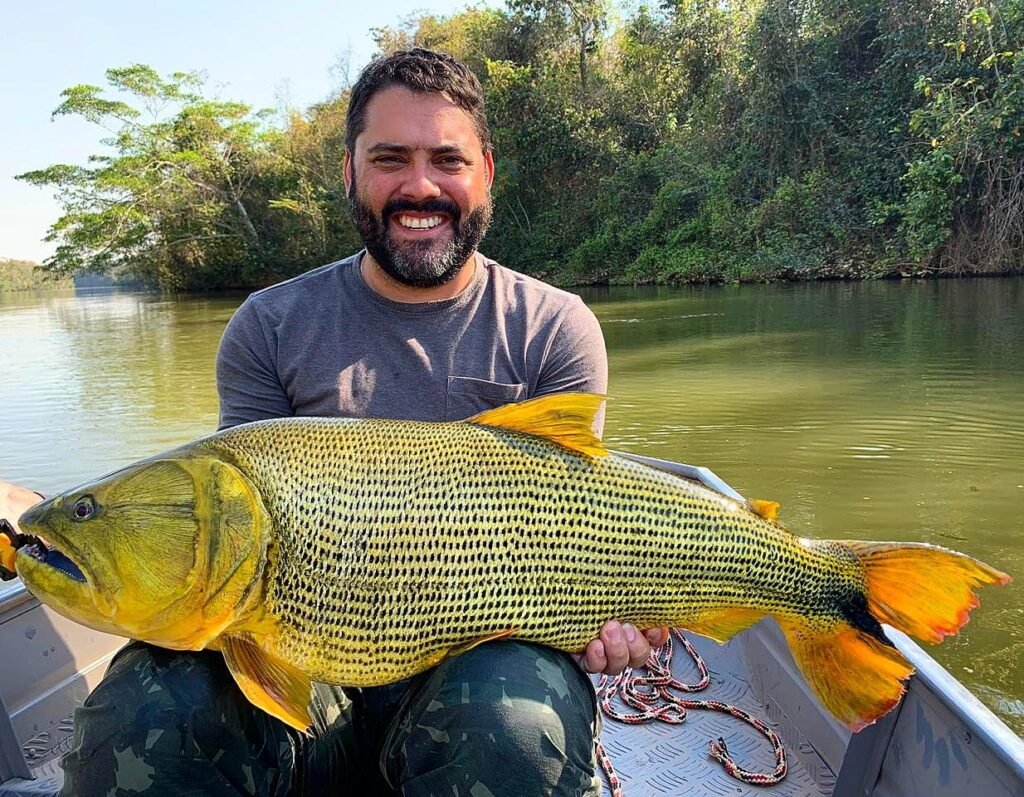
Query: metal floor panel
<point x="48" y="779"/>
<point x="656" y="759"/>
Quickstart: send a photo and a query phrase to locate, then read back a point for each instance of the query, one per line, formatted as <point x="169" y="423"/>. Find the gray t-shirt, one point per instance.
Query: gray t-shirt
<point x="324" y="343"/>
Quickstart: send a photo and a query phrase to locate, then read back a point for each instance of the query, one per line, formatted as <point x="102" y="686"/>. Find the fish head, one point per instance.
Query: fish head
<point x="169" y="550"/>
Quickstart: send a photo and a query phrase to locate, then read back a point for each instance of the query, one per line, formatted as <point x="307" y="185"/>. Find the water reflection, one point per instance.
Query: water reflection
<point x="99" y="380"/>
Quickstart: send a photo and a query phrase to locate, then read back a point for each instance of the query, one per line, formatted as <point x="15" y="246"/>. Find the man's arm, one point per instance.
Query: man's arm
<point x="247" y="383"/>
<point x="575" y="360"/>
<point x="15" y="500"/>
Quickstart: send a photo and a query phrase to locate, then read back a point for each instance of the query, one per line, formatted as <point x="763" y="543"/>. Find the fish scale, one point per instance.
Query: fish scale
<point x="399" y="541"/>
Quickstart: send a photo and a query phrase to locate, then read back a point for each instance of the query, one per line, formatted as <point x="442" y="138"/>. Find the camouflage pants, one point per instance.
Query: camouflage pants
<point x="506" y="718"/>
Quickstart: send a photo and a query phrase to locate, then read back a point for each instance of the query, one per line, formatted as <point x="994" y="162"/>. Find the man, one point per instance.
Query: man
<point x="419" y="326"/>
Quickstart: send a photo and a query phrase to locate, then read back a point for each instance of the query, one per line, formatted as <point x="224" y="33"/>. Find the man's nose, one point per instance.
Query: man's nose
<point x="419" y="183"/>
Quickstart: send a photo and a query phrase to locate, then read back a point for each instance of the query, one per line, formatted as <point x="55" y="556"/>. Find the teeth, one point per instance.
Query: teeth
<point x="419" y="224"/>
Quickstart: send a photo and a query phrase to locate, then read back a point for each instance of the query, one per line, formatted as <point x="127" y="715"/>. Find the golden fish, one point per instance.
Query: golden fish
<point x="360" y="552"/>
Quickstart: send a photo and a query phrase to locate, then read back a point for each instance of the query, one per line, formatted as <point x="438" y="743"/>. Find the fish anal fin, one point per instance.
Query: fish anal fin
<point x="269" y="682"/>
<point x="563" y="418"/>
<point x="458" y="650"/>
<point x="722" y="624"/>
<point x="855" y="676"/>
<point x="769" y="510"/>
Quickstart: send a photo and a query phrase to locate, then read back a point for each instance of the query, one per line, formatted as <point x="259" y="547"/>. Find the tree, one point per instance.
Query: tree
<point x="176" y="203"/>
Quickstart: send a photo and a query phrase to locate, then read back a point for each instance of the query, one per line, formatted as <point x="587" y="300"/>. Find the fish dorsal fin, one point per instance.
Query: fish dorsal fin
<point x="563" y="418"/>
<point x="270" y="683"/>
<point x="769" y="510"/>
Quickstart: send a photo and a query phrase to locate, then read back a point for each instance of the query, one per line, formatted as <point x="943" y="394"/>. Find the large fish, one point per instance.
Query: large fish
<point x="360" y="552"/>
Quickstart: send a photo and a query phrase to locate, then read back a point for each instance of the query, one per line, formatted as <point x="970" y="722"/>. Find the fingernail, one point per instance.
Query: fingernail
<point x="630" y="632"/>
<point x="614" y="635"/>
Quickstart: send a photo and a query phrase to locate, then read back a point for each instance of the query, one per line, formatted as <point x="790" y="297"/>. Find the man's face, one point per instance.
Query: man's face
<point x="419" y="186"/>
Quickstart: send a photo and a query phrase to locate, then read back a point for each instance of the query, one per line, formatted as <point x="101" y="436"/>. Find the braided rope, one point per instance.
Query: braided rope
<point x="653" y="698"/>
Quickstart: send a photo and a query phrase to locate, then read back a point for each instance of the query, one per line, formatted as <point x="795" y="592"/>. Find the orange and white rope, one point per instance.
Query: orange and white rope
<point x="654" y="697"/>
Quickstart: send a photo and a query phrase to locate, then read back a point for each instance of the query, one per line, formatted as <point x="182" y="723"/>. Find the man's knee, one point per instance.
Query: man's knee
<point x="163" y="722"/>
<point x="513" y="717"/>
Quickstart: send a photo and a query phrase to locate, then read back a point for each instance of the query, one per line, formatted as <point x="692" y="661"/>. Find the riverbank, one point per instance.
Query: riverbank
<point x="24" y="275"/>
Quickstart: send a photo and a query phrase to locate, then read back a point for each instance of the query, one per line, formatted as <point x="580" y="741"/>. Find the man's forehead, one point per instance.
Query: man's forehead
<point x="398" y="118"/>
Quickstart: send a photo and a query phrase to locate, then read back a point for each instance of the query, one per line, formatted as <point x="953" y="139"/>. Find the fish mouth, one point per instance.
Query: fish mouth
<point x="41" y="551"/>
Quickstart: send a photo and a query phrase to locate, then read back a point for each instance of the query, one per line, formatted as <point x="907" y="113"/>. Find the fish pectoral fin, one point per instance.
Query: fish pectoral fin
<point x="769" y="510"/>
<point x="721" y="624"/>
<point x="855" y="676"/>
<point x="270" y="683"/>
<point x="563" y="418"/>
<point x="458" y="650"/>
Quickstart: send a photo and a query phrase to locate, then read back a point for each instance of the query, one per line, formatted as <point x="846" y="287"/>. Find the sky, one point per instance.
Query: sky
<point x="264" y="54"/>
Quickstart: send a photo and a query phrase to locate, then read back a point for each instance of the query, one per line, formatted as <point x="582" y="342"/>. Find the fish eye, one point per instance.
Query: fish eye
<point x="84" y="508"/>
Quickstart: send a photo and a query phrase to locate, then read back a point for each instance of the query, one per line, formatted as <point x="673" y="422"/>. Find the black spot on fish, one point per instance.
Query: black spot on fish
<point x="854" y="607"/>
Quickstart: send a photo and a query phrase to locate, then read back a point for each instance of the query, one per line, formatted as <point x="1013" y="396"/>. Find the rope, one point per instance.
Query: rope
<point x="653" y="698"/>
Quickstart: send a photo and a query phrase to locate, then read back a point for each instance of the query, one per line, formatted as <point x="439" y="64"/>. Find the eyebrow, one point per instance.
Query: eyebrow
<point x="387" y="146"/>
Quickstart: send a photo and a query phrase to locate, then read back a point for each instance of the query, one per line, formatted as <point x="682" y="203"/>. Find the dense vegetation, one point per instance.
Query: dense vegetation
<point x="694" y="140"/>
<point x="24" y="275"/>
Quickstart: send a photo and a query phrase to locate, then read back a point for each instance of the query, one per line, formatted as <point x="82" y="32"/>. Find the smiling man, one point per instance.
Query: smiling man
<point x="419" y="325"/>
<point x="430" y="174"/>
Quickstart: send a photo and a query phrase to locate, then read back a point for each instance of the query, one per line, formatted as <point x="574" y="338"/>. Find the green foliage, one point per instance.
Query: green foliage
<point x="24" y="275"/>
<point x="691" y="140"/>
<point x="195" y="194"/>
<point x="963" y="207"/>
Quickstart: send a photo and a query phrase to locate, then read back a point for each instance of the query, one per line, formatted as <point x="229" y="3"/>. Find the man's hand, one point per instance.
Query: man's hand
<point x="14" y="500"/>
<point x="620" y="646"/>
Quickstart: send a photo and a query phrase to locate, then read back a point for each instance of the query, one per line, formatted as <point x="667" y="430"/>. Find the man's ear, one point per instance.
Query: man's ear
<point x="489" y="165"/>
<point x="347" y="173"/>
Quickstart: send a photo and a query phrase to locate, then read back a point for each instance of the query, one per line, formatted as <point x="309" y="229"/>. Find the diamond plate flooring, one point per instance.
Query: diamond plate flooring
<point x="656" y="759"/>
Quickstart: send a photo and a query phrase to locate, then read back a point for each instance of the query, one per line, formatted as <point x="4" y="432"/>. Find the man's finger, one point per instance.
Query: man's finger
<point x="638" y="646"/>
<point x="616" y="648"/>
<point x="657" y="636"/>
<point x="593" y="659"/>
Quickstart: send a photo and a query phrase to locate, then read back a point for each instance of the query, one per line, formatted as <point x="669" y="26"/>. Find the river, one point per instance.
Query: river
<point x="877" y="410"/>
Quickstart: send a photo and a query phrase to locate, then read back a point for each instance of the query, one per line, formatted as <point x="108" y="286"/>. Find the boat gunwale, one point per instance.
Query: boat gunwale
<point x="979" y="719"/>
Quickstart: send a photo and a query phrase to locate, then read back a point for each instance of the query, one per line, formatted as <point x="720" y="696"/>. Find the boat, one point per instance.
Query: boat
<point x="941" y="741"/>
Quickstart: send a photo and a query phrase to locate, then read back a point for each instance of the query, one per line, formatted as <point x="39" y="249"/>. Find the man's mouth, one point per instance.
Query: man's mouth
<point x="418" y="222"/>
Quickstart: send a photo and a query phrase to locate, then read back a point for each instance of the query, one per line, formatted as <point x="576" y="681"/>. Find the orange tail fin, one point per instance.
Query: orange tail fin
<point x="923" y="590"/>
<point x="855" y="676"/>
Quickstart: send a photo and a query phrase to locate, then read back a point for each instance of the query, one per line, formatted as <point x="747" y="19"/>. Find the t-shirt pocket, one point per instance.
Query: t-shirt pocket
<point x="467" y="396"/>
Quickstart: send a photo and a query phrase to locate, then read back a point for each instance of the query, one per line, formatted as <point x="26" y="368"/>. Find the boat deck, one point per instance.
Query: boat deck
<point x="656" y="759"/>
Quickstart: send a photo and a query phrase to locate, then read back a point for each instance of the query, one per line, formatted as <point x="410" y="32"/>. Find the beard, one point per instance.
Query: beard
<point x="420" y="264"/>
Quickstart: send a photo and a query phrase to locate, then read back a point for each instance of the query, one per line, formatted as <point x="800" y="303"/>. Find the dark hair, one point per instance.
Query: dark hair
<point x="423" y="71"/>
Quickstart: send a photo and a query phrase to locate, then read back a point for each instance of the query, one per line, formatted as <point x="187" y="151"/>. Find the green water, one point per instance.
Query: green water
<point x="870" y="410"/>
